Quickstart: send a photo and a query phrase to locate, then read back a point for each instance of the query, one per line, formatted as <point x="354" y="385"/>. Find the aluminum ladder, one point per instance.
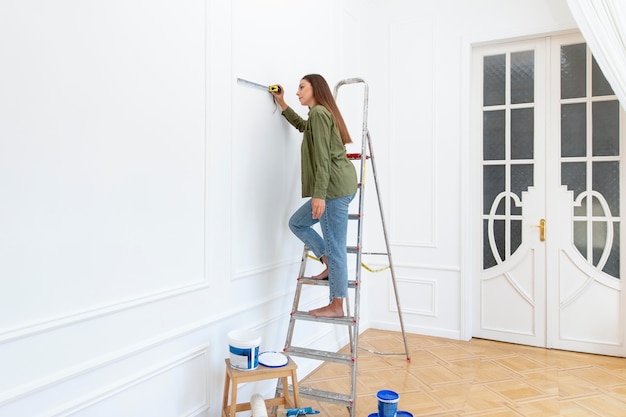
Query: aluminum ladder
<point x="351" y="320"/>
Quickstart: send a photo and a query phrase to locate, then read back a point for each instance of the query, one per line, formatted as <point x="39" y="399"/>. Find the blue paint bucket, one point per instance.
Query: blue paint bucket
<point x="387" y="403"/>
<point x="244" y="349"/>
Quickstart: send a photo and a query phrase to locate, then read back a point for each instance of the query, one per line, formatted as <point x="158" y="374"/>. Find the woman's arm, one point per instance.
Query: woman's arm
<point x="321" y="128"/>
<point x="289" y="114"/>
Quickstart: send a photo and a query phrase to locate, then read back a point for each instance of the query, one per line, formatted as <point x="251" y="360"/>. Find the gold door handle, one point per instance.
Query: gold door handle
<point x="542" y="229"/>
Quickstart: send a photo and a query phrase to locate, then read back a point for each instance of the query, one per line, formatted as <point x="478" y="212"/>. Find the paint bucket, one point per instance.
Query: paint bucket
<point x="244" y="349"/>
<point x="387" y="403"/>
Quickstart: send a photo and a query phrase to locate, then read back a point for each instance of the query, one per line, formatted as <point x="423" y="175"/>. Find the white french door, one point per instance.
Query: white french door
<point x="547" y="134"/>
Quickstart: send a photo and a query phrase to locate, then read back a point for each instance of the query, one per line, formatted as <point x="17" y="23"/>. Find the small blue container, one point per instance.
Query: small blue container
<point x="387" y="403"/>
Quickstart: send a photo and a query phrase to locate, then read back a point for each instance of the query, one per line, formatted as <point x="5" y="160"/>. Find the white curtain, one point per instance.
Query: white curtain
<point x="603" y="25"/>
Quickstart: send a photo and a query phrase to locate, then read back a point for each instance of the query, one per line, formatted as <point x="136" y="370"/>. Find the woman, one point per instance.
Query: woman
<point x="329" y="179"/>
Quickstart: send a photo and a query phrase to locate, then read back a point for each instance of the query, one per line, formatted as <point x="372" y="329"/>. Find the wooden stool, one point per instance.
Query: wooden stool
<point x="235" y="377"/>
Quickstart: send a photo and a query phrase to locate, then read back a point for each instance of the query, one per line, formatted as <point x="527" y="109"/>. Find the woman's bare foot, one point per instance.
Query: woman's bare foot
<point x="324" y="273"/>
<point x="334" y="309"/>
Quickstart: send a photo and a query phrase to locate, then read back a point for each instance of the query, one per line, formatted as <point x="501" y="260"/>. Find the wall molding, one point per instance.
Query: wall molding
<point x="431" y="134"/>
<point x="116" y="356"/>
<point x="263" y="269"/>
<point x="414" y="244"/>
<point x="98" y="363"/>
<point x="96" y="312"/>
<point x="428" y="283"/>
<point x="108" y="392"/>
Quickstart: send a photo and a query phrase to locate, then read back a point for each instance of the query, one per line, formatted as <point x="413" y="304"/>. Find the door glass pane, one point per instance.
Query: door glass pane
<point x="580" y="236"/>
<point x="488" y="259"/>
<point x="515" y="211"/>
<point x="573" y="70"/>
<point x="581" y="210"/>
<point x="500" y="238"/>
<point x="604" y="245"/>
<point x="605" y="135"/>
<point x="612" y="264"/>
<point x="522" y="133"/>
<point x="573" y="129"/>
<point x="516" y="234"/>
<point x="599" y="239"/>
<point x="606" y="182"/>
<point x="599" y="85"/>
<point x="494" y="79"/>
<point x="493" y="184"/>
<point x="574" y="175"/>
<point x="523" y="77"/>
<point x="493" y="135"/>
<point x="521" y="178"/>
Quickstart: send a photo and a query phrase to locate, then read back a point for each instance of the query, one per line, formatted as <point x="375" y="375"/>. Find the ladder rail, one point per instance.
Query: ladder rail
<point x="388" y="248"/>
<point x="354" y="330"/>
<point x="366" y="145"/>
<point x="296" y="298"/>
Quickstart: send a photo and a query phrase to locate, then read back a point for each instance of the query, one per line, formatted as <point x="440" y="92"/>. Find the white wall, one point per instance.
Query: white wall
<point x="144" y="194"/>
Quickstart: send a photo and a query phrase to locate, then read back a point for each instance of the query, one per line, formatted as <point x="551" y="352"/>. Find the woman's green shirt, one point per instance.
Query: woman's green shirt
<point x="327" y="173"/>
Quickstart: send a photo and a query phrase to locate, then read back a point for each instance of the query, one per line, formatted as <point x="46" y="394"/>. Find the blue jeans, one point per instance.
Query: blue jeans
<point x="334" y="225"/>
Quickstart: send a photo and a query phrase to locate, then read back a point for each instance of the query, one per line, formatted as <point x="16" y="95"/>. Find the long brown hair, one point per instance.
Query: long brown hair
<point x="323" y="96"/>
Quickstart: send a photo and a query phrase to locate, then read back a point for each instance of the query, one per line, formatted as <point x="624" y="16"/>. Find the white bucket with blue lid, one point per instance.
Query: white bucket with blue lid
<point x="244" y="349"/>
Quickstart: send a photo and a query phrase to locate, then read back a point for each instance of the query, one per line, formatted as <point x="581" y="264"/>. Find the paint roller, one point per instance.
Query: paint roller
<point x="257" y="404"/>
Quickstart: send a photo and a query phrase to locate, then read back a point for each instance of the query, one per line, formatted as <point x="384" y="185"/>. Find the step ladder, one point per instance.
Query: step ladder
<point x="351" y="320"/>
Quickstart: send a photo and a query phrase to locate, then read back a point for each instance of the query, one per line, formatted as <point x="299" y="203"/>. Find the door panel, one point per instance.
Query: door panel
<point x="510" y="286"/>
<point x="584" y="176"/>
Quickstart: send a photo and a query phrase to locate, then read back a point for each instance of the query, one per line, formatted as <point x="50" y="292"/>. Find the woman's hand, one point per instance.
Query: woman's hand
<point x="318" y="205"/>
<point x="280" y="97"/>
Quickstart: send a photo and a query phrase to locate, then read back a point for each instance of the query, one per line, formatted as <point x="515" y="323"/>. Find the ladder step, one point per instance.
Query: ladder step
<point x="323" y="282"/>
<point x="304" y="315"/>
<point x="320" y="355"/>
<point x="320" y="395"/>
<point x="355" y="156"/>
<point x="353" y="249"/>
<point x="355" y="216"/>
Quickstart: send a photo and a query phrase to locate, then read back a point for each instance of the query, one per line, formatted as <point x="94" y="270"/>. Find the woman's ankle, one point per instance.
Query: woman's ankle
<point x="337" y="303"/>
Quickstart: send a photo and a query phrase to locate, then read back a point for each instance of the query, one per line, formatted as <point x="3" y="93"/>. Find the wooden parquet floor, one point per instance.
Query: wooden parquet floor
<point x="478" y="378"/>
